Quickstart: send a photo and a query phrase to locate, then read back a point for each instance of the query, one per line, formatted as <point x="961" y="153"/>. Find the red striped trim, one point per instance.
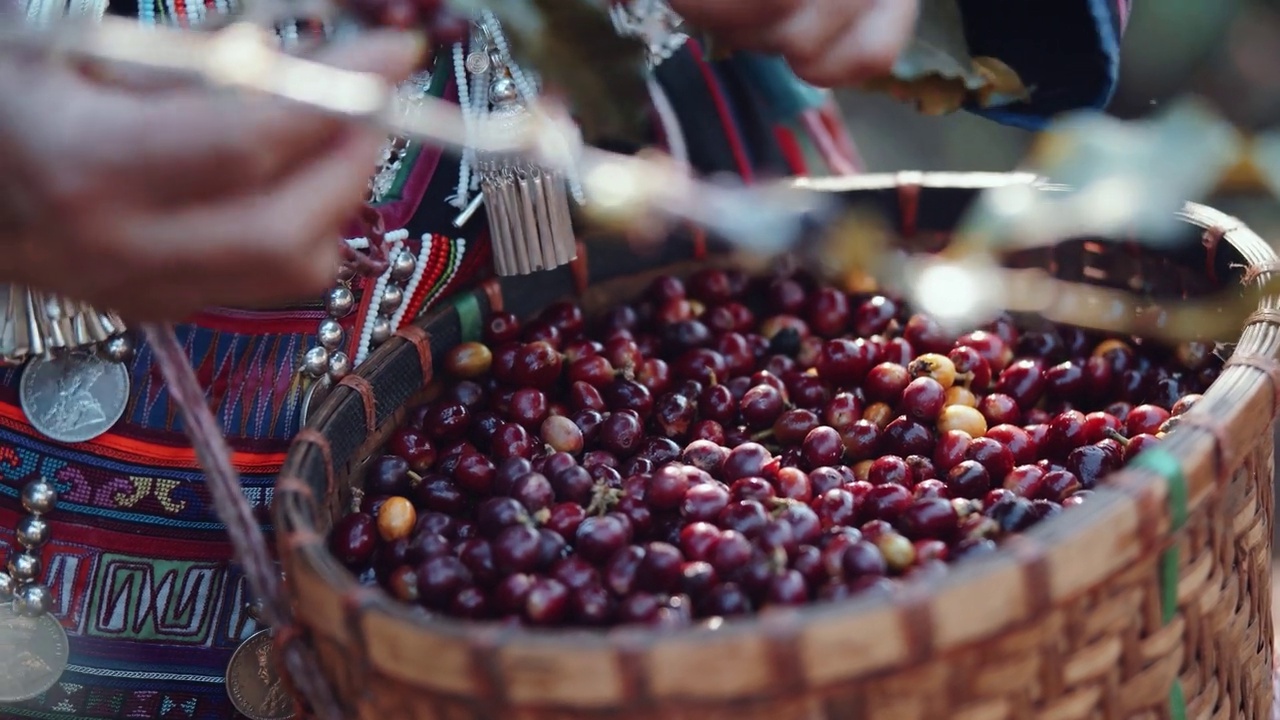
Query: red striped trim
<point x="834" y="122"/>
<point x="837" y="162"/>
<point x="791" y="150"/>
<point x="137" y="452"/>
<point x="723" y="110"/>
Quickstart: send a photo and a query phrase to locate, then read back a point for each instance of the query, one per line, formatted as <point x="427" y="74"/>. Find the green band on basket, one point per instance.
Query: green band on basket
<point x="468" y="308"/>
<point x="1177" y="701"/>
<point x="1160" y="462"/>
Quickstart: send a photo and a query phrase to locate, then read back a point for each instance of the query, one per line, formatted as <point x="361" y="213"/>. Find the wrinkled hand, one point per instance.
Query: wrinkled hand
<point x="158" y="202"/>
<point x="827" y="42"/>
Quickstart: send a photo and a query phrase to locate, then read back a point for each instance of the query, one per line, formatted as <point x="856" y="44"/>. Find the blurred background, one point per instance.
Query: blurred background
<point x="1226" y="51"/>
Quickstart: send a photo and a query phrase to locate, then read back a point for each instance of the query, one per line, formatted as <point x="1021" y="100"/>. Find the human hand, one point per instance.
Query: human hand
<point x="158" y="201"/>
<point x="826" y="42"/>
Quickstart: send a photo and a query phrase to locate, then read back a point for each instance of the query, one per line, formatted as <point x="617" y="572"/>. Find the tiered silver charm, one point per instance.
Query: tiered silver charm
<point x="654" y="23"/>
<point x="34" y="323"/>
<point x="75" y="385"/>
<point x="530" y="225"/>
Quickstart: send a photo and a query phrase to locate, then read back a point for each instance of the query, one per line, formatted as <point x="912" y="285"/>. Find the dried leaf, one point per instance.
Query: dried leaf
<point x="1002" y="84"/>
<point x="573" y="46"/>
<point x="937" y="73"/>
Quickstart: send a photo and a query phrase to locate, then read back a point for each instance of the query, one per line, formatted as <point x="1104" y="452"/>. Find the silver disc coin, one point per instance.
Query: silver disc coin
<point x="34" y="656"/>
<point x="73" y="397"/>
<point x="253" y="684"/>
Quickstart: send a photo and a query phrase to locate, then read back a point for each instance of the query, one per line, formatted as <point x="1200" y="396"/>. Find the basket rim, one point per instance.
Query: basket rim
<point x="924" y="616"/>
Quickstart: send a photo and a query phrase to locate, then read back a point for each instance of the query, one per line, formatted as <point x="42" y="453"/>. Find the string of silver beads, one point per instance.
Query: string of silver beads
<point x="20" y="584"/>
<point x="326" y="358"/>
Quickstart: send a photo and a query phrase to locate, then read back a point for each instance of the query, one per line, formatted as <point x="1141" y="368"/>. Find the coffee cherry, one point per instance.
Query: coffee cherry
<point x="963" y="419"/>
<point x="682" y="459"/>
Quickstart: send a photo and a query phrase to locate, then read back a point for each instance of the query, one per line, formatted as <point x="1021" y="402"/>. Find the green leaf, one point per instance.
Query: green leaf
<point x="573" y="46"/>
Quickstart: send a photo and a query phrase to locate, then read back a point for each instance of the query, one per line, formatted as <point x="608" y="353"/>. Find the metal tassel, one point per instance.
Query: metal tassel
<point x="35" y="323"/>
<point x="527" y="207"/>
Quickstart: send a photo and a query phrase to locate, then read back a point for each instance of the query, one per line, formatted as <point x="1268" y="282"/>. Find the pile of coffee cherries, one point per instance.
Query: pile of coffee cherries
<point x="730" y="443"/>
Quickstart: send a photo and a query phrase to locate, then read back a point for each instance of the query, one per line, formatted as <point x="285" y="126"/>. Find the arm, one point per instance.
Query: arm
<point x="158" y="202"/>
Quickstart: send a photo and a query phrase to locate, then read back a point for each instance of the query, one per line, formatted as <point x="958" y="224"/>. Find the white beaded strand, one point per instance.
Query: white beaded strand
<point x="459" y="200"/>
<point x="375" y="297"/>
<point x="424" y="254"/>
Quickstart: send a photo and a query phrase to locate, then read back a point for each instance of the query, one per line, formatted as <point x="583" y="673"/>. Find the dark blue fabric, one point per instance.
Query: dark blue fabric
<point x="1066" y="51"/>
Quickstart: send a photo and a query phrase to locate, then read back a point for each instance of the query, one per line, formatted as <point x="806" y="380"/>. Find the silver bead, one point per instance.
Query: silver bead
<point x="33" y="601"/>
<point x="39" y="497"/>
<point x="316" y="362"/>
<point x="339" y="366"/>
<point x="345" y="273"/>
<point x="118" y="348"/>
<point x="24" y="567"/>
<point x="33" y="531"/>
<point x="381" y="330"/>
<point x="7" y="587"/>
<point x="403" y="265"/>
<point x="330" y="334"/>
<point x="391" y="299"/>
<point x="503" y="90"/>
<point x="340" y="301"/>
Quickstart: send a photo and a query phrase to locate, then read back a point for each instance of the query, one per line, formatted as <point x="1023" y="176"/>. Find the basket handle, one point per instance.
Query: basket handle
<point x="233" y="508"/>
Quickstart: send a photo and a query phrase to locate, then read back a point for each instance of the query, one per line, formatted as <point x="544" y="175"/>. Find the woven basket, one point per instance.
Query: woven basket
<point x="1150" y="601"/>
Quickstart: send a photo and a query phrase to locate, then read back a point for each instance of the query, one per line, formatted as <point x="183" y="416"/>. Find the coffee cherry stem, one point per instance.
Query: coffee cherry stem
<point x="414" y="479"/>
<point x="1115" y="435"/>
<point x="603" y="498"/>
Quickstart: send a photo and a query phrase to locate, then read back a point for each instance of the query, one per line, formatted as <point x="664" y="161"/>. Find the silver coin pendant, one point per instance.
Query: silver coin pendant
<point x="73" y="397"/>
<point x="34" y="657"/>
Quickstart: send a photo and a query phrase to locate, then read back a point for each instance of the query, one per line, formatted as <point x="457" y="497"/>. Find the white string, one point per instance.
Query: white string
<point x="289" y="35"/>
<point x="670" y="122"/>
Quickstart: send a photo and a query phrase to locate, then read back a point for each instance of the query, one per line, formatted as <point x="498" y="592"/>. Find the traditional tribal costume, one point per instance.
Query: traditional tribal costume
<point x="138" y="566"/>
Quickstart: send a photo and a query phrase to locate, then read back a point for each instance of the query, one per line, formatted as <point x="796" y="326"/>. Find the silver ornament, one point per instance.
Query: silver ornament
<point x="345" y="273"/>
<point x="33" y="600"/>
<point x="33" y="531"/>
<point x="330" y="334"/>
<point x="39" y="497"/>
<point x="118" y="348"/>
<point x="391" y="299"/>
<point x="7" y="587"/>
<point x="24" y="567"/>
<point x="403" y="265"/>
<point x="503" y="90"/>
<point x="339" y="366"/>
<point x="340" y="301"/>
<point x="316" y="362"/>
<point x="381" y="330"/>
